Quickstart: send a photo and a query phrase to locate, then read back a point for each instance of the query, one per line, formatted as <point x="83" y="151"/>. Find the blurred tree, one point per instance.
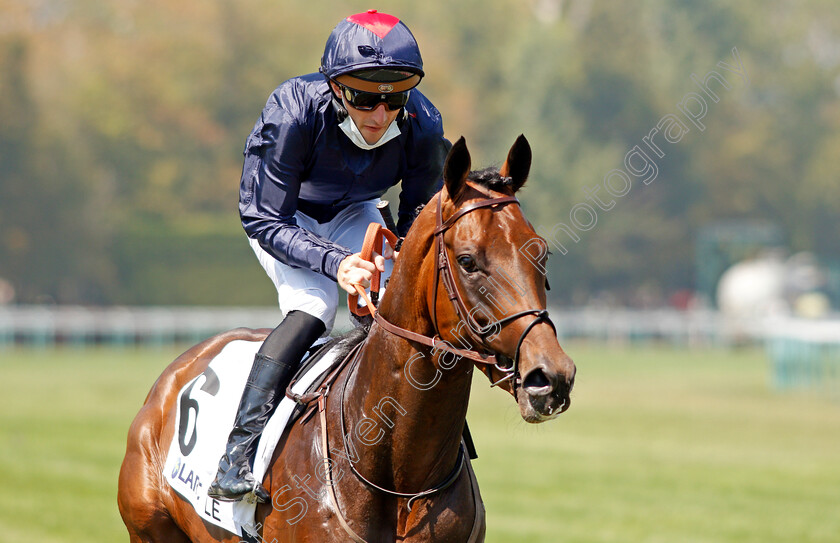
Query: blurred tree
<point x="122" y="126"/>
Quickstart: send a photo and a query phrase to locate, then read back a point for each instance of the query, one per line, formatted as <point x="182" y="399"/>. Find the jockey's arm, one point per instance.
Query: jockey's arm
<point x="288" y="242"/>
<point x="274" y="164"/>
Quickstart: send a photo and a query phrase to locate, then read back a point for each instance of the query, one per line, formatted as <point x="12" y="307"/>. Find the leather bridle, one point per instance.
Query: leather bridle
<point x="375" y="235"/>
<point x="444" y="274"/>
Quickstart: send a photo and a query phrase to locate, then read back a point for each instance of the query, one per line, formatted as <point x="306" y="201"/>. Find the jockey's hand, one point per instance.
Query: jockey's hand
<point x="388" y="252"/>
<point x="354" y="270"/>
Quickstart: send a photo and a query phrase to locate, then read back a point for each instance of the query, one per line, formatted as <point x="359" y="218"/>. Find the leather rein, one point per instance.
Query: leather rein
<point x="444" y="274"/>
<point x="374" y="238"/>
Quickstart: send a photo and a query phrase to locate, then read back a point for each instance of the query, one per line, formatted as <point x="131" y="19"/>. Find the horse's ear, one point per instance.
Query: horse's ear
<point x="518" y="163"/>
<point x="456" y="168"/>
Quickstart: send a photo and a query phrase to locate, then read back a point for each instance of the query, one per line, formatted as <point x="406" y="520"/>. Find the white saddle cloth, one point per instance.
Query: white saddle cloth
<point x="205" y="413"/>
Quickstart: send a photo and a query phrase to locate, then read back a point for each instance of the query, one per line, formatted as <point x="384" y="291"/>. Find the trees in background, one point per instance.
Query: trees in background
<point x="122" y="125"/>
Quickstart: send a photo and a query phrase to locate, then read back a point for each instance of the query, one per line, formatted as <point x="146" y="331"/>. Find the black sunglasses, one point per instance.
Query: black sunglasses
<point x="366" y="101"/>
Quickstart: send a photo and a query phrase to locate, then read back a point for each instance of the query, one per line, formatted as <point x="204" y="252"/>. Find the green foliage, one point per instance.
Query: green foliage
<point x="206" y="261"/>
<point x="114" y="115"/>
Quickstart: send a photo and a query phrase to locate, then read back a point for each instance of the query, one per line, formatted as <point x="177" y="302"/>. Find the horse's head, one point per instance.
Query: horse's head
<point x="492" y="282"/>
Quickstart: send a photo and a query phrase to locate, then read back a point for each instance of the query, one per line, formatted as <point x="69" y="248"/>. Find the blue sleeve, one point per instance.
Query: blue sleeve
<point x="425" y="158"/>
<point x="275" y="158"/>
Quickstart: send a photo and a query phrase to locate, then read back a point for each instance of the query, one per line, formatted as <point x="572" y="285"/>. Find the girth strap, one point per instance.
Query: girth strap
<point x="330" y="483"/>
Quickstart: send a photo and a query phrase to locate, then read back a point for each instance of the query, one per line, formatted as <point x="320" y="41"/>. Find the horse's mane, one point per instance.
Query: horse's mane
<point x="489" y="178"/>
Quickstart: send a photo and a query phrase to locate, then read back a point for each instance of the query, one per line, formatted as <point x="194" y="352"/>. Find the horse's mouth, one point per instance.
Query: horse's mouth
<point x="544" y="395"/>
<point x="536" y="409"/>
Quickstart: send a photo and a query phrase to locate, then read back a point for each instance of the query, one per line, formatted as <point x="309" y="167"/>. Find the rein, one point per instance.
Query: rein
<point x="330" y="483"/>
<point x="374" y="238"/>
<point x="443" y="273"/>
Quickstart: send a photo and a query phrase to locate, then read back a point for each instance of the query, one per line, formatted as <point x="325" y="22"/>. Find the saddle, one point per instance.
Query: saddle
<point x="319" y="389"/>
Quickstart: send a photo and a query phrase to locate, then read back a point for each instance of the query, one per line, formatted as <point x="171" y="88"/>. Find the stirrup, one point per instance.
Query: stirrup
<point x="251" y="497"/>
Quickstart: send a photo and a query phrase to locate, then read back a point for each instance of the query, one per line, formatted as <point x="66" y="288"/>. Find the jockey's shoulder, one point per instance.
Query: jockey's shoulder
<point x="422" y="111"/>
<point x="301" y="95"/>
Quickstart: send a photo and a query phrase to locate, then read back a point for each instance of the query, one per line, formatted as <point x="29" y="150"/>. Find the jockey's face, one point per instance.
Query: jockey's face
<point x="372" y="124"/>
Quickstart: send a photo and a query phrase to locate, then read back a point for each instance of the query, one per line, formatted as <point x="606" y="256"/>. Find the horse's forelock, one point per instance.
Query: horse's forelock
<point x="489" y="178"/>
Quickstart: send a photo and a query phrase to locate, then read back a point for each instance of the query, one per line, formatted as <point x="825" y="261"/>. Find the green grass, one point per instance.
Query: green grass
<point x="660" y="445"/>
<point x="663" y="446"/>
<point x="64" y="417"/>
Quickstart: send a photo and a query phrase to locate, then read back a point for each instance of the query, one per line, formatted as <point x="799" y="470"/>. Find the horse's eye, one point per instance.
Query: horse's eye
<point x="468" y="263"/>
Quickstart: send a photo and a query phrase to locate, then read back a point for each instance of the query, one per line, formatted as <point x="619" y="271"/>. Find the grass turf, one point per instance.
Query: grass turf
<point x="660" y="445"/>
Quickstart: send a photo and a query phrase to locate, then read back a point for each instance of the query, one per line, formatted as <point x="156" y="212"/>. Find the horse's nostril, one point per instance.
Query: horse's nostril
<point x="537" y="383"/>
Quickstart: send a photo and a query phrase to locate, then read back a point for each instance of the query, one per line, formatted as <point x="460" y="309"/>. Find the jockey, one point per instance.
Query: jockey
<point x="325" y="148"/>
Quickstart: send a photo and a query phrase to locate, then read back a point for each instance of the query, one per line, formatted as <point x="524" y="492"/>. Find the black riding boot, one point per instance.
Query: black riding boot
<point x="273" y="369"/>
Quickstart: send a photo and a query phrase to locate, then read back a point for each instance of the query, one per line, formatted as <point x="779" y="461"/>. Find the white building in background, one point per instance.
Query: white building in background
<point x="773" y="285"/>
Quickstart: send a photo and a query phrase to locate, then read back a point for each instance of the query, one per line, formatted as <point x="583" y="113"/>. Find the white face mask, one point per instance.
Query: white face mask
<point x="352" y="131"/>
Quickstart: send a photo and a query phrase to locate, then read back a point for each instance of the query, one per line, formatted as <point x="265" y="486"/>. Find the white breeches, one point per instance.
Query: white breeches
<point x="304" y="290"/>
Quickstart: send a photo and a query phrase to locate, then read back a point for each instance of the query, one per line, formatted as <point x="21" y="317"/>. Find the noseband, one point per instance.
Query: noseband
<point x="445" y="275"/>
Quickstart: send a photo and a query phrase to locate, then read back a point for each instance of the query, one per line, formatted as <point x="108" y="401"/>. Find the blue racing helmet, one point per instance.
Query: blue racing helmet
<point x="373" y="52"/>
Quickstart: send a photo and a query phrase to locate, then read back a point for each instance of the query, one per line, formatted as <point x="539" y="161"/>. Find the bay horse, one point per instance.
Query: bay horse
<point x="400" y="406"/>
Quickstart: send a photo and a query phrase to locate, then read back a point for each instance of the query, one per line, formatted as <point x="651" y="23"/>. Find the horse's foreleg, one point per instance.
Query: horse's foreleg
<point x="455" y="516"/>
<point x="164" y="531"/>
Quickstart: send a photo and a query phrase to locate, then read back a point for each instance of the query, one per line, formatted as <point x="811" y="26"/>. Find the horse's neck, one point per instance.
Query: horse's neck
<point x="411" y="412"/>
<point x="400" y="393"/>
